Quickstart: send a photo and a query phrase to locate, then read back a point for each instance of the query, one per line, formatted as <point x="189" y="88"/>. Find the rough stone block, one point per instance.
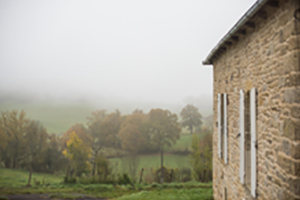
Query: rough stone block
<point x="290" y="63"/>
<point x="284" y="18"/>
<point x="295" y="111"/>
<point x="296" y="25"/>
<point x="293" y="43"/>
<point x="290" y="166"/>
<point x="287" y="31"/>
<point x="293" y="79"/>
<point x="286" y="147"/>
<point x="291" y="129"/>
<point x="285" y="195"/>
<point x="280" y="176"/>
<point x="294" y="184"/>
<point x="291" y="95"/>
<point x="296" y="151"/>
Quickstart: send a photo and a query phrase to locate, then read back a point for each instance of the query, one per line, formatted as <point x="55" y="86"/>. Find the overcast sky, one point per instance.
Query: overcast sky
<point x="137" y="50"/>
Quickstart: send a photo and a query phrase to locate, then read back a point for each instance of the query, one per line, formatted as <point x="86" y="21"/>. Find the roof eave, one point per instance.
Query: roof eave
<point x="245" y="18"/>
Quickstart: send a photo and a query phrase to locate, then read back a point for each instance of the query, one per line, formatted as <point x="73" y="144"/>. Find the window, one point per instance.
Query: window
<point x="222" y="126"/>
<point x="248" y="139"/>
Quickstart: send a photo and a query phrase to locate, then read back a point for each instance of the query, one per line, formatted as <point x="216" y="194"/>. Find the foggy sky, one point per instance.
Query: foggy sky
<point x="136" y="50"/>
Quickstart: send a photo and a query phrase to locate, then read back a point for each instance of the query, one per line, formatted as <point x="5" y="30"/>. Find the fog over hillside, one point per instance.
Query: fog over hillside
<point x="9" y="100"/>
<point x="60" y="59"/>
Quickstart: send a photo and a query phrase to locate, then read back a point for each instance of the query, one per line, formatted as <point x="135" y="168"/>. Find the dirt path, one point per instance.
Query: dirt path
<point x="46" y="197"/>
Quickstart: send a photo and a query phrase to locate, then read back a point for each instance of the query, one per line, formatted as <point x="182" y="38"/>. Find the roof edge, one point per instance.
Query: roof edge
<point x="245" y="18"/>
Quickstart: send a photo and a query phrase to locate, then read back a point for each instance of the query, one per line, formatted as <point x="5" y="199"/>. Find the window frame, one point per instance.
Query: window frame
<point x="222" y="127"/>
<point x="248" y="117"/>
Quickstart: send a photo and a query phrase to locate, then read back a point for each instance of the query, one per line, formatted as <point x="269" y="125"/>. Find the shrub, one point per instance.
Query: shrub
<point x="69" y="179"/>
<point x="185" y="174"/>
<point x="104" y="170"/>
<point x="201" y="158"/>
<point x="169" y="174"/>
<point x="124" y="179"/>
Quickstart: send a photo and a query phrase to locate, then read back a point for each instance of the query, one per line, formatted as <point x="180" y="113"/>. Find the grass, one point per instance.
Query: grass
<point x="13" y="182"/>
<point x="178" y="194"/>
<point x="12" y="178"/>
<point x="152" y="161"/>
<point x="182" y="144"/>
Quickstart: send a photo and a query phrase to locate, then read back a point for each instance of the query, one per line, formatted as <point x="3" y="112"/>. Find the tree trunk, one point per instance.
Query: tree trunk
<point x="14" y="163"/>
<point x="29" y="179"/>
<point x="94" y="164"/>
<point x="191" y="129"/>
<point x="141" y="175"/>
<point x="162" y="165"/>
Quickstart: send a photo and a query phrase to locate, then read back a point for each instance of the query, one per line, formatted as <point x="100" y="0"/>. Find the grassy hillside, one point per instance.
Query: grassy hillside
<point x="56" y="118"/>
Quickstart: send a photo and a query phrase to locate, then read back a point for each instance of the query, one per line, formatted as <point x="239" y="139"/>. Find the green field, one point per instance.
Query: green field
<point x="153" y="161"/>
<point x="13" y="182"/>
<point x="18" y="178"/>
<point x="174" y="193"/>
<point x="149" y="162"/>
<point x="56" y="118"/>
<point x="184" y="143"/>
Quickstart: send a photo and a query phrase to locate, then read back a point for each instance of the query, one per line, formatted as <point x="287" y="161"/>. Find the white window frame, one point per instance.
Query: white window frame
<point x="253" y="146"/>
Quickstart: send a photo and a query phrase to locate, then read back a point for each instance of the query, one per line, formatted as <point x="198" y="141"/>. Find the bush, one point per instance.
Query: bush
<point x="124" y="179"/>
<point x="201" y="158"/>
<point x="69" y="179"/>
<point x="169" y="174"/>
<point x="96" y="180"/>
<point x="185" y="174"/>
<point x="104" y="170"/>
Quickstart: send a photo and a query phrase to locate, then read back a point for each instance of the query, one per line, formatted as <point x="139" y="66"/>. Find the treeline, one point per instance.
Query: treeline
<point x="25" y="143"/>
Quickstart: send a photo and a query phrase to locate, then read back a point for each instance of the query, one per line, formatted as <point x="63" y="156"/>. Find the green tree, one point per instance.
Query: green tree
<point x="164" y="130"/>
<point x="190" y="117"/>
<point x="103" y="132"/>
<point x="201" y="158"/>
<point x="53" y="157"/>
<point x="13" y="126"/>
<point x="36" y="144"/>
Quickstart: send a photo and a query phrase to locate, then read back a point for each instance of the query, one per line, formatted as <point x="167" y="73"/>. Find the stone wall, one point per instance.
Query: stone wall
<point x="267" y="58"/>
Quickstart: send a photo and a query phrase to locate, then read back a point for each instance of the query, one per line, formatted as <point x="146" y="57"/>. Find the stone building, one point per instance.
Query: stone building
<point x="256" y="139"/>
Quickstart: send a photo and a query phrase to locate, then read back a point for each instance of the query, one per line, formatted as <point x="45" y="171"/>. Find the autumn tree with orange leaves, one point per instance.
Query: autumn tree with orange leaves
<point x="133" y="133"/>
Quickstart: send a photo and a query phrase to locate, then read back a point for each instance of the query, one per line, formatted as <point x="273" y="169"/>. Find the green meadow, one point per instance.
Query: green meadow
<point x="13" y="178"/>
<point x="149" y="162"/>
<point x="13" y="182"/>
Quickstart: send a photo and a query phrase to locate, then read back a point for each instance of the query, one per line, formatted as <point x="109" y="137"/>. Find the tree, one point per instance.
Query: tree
<point x="54" y="159"/>
<point x="103" y="131"/>
<point x="190" y="117"/>
<point x="133" y="133"/>
<point x="164" y="130"/>
<point x="80" y="131"/>
<point x="201" y="158"/>
<point x="13" y="127"/>
<point x="78" y="153"/>
<point x="36" y="143"/>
